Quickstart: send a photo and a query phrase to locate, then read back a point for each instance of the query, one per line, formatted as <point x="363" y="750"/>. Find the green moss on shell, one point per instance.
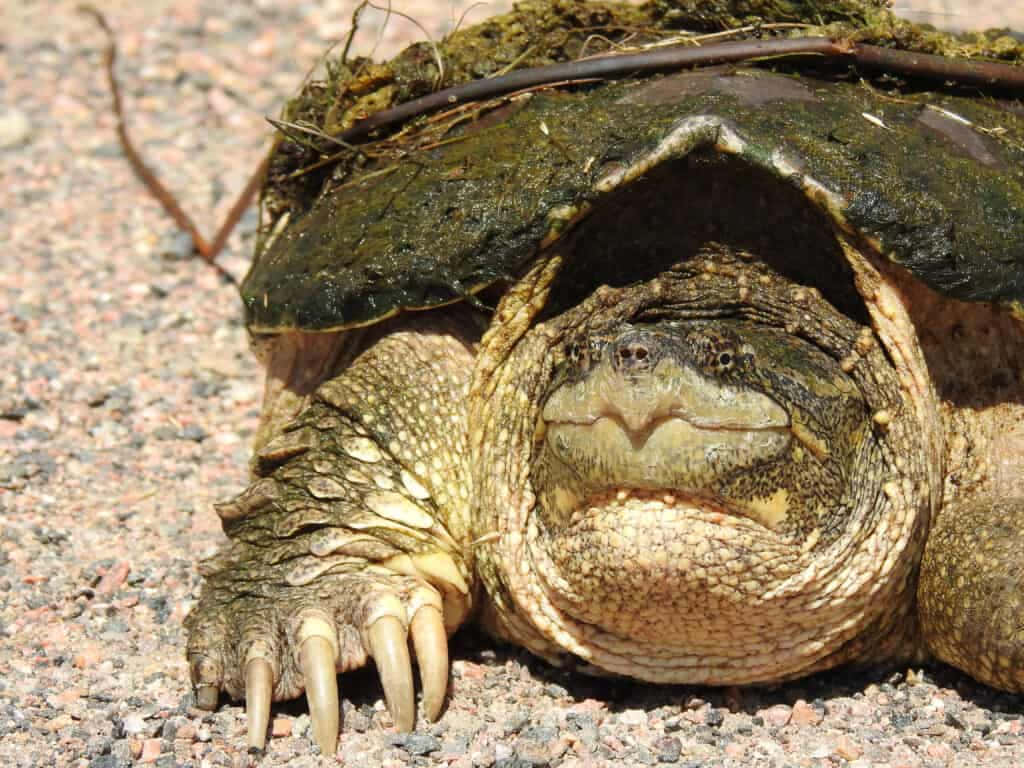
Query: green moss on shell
<point x="424" y="226"/>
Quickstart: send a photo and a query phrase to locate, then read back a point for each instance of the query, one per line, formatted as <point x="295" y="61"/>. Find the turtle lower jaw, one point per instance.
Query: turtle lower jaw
<point x="568" y="510"/>
<point x="667" y="547"/>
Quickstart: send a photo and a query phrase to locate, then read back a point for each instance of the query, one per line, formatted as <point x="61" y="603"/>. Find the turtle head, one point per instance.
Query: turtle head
<point x="693" y="411"/>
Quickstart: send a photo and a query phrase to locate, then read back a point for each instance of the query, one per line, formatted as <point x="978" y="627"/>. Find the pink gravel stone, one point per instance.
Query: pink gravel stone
<point x="114" y="578"/>
<point x="735" y="750"/>
<point x="940" y="751"/>
<point x="470" y="671"/>
<point x="847" y="749"/>
<point x="150" y="750"/>
<point x="282" y="726"/>
<point x="88" y="656"/>
<point x="804" y="714"/>
<point x="861" y="710"/>
<point x="777" y="716"/>
<point x="59" y="723"/>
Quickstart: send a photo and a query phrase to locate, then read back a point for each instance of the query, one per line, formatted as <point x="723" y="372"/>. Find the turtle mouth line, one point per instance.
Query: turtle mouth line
<point x="660" y="452"/>
<point x="640" y="431"/>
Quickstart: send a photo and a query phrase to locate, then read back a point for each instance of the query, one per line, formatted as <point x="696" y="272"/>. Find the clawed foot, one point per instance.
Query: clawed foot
<point x="272" y="649"/>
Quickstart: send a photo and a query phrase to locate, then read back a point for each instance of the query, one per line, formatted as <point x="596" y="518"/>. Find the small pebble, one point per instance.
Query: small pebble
<point x="804" y="714"/>
<point x="847" y="749"/>
<point x="668" y="749"/>
<point x="176" y="246"/>
<point x="15" y="128"/>
<point x="150" y="750"/>
<point x="714" y="717"/>
<point x="421" y="743"/>
<point x="776" y="716"/>
<point x="281" y="726"/>
<point x="633" y="717"/>
<point x="114" y="578"/>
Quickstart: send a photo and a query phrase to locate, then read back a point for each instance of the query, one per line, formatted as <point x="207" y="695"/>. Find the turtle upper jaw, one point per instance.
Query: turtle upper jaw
<point x="648" y="416"/>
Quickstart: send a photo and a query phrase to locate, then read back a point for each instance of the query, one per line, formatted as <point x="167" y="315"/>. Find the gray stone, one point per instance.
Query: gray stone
<point x="668" y="749"/>
<point x="421" y="744"/>
<point x="176" y="246"/>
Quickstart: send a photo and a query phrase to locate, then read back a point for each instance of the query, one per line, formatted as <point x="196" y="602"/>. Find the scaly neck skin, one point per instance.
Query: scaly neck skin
<point x="979" y="371"/>
<point x="975" y="357"/>
<point x="961" y="367"/>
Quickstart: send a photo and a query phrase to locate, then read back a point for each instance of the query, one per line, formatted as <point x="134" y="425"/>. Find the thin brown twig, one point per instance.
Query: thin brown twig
<point x="244" y="199"/>
<point x="987" y="74"/>
<point x="352" y="31"/>
<point x="206" y="250"/>
<point x="602" y="68"/>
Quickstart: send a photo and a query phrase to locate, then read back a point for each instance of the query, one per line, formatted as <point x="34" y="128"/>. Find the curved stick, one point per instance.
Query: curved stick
<point x="987" y="74"/>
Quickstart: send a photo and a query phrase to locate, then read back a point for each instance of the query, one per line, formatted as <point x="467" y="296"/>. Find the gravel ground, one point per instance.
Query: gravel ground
<point x="128" y="398"/>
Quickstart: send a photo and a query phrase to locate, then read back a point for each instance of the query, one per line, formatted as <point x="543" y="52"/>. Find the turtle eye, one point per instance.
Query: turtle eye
<point x="722" y="359"/>
<point x="715" y="353"/>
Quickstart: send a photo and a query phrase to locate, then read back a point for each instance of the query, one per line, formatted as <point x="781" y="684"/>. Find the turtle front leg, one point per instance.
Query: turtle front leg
<point x="349" y="543"/>
<point x="971" y="590"/>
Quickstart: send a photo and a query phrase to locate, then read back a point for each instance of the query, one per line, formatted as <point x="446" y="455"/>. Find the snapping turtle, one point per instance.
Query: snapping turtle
<point x="720" y="382"/>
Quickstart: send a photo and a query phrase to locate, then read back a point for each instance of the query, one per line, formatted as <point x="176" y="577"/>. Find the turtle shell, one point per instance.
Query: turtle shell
<point x="933" y="180"/>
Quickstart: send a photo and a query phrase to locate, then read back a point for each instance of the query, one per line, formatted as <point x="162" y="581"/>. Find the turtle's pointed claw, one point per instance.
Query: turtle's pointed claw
<point x="390" y="650"/>
<point x="259" y="685"/>
<point x="431" y="644"/>
<point x="317" y="657"/>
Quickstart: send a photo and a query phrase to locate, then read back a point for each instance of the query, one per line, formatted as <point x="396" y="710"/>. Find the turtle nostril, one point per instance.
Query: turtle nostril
<point x="632" y="355"/>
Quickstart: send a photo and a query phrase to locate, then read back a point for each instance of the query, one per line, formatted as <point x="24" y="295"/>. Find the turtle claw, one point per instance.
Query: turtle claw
<point x="390" y="650"/>
<point x="317" y="658"/>
<point x="207" y="696"/>
<point x="430" y="641"/>
<point x="205" y="672"/>
<point x="259" y="686"/>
